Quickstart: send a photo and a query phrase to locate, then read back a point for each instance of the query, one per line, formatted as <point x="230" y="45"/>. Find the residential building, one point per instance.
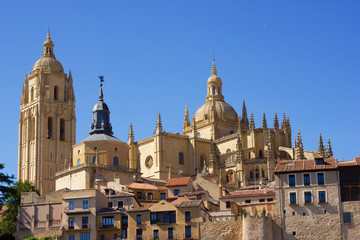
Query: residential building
<point x="176" y="186"/>
<point x="147" y="194"/>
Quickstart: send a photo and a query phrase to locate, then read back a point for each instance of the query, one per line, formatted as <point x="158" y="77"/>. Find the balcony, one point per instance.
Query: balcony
<point x="76" y="211"/>
<point x="75" y="228"/>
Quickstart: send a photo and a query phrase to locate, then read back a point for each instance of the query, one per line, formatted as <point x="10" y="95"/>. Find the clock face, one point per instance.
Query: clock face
<point x="149" y="162"/>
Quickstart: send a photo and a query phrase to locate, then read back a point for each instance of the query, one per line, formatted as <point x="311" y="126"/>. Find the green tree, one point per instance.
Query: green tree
<point x="5" y="181"/>
<point x="12" y="201"/>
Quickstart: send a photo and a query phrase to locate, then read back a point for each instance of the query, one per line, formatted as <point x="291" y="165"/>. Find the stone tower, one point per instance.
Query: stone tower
<point x="47" y="121"/>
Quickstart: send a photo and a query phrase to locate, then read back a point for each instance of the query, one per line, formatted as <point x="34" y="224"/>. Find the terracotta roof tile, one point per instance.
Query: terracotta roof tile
<point x="172" y="182"/>
<point x="250" y="193"/>
<point x="146" y="186"/>
<point x="305" y="165"/>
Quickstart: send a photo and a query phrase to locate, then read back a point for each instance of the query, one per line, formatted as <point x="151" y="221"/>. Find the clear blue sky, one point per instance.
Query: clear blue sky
<point x="297" y="57"/>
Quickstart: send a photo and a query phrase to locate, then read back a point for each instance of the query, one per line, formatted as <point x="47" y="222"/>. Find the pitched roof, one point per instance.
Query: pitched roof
<point x="146" y="186"/>
<point x="305" y="165"/>
<point x="250" y="193"/>
<point x="354" y="162"/>
<point x="140" y="209"/>
<point x="172" y="182"/>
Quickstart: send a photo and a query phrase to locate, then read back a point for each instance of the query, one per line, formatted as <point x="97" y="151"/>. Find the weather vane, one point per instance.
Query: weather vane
<point x="101" y="80"/>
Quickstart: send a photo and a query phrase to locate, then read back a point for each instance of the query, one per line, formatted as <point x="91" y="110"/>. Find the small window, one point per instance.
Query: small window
<point x="116" y="161"/>
<point x="293" y="213"/>
<point x="156" y="234"/>
<point x="108" y="221"/>
<point x="257" y="174"/>
<point x="213" y="90"/>
<point x="181" y="158"/>
<point x="232" y="132"/>
<point x="307" y="197"/>
<point x="228" y="204"/>
<point x="115" y="236"/>
<point x="149" y="196"/>
<point x="120" y="204"/>
<point x="261" y="200"/>
<point x="320" y="161"/>
<point x="110" y="204"/>
<point x="50" y="128"/>
<point x="162" y="195"/>
<point x="247" y="201"/>
<point x="85" y="204"/>
<point x="292" y="198"/>
<point x="94" y="159"/>
<point x="170" y="233"/>
<point x="324" y="211"/>
<point x="62" y="130"/>
<point x="187" y="216"/>
<point x="202" y="161"/>
<point x="124" y="233"/>
<point x="306" y="179"/>
<point x="320" y="178"/>
<point x="347" y="217"/>
<point x="72" y="237"/>
<point x="85" y="236"/>
<point x="124" y="221"/>
<point x="85" y="222"/>
<point x="56" y="92"/>
<point x="176" y="192"/>
<point x="304" y="214"/>
<point x="322" y="197"/>
<point x="260" y="154"/>
<point x="71" y="223"/>
<point x="139" y="234"/>
<point x="292" y="180"/>
<point x="138" y="219"/>
<point x="78" y="161"/>
<point x="294" y="233"/>
<point x="269" y="199"/>
<point x="251" y="174"/>
<point x="71" y="206"/>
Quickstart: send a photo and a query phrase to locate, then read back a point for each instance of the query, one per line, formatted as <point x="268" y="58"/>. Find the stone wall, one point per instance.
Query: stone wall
<point x="221" y="230"/>
<point x="257" y="228"/>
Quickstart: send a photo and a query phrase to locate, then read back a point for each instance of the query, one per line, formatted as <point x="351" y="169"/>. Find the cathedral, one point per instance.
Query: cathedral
<point x="217" y="143"/>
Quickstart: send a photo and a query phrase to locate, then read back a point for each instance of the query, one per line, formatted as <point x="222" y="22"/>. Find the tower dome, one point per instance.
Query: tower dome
<point x="48" y="60"/>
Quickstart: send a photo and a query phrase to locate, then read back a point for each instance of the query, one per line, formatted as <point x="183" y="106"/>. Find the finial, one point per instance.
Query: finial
<point x="158" y="129"/>
<point x="264" y="121"/>
<point x="101" y="95"/>
<point x="276" y="122"/>
<point x="186" y="118"/>
<point x="48" y="34"/>
<point x="131" y="135"/>
<point x="329" y="152"/>
<point x="252" y="123"/>
<point x="213" y="71"/>
<point x="321" y="147"/>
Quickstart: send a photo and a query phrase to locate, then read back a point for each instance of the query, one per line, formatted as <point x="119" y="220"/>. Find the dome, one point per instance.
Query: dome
<point x="99" y="106"/>
<point x="213" y="78"/>
<point x="223" y="111"/>
<point x="49" y="62"/>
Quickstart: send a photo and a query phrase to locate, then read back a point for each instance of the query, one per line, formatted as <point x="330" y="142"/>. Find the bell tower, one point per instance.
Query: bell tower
<point x="47" y="121"/>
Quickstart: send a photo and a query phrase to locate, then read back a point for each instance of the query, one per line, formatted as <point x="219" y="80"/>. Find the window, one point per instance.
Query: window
<point x="320" y="178"/>
<point x="124" y="221"/>
<point x="85" y="222"/>
<point x="232" y="131"/>
<point x="187" y="231"/>
<point x="269" y="199"/>
<point x="85" y="204"/>
<point x="257" y="174"/>
<point x="345" y="194"/>
<point x="72" y="237"/>
<point x="347" y="217"/>
<point x="261" y="200"/>
<point x="124" y="233"/>
<point x="319" y="161"/>
<point x="322" y="197"/>
<point x="176" y="192"/>
<point x="355" y="194"/>
<point x="110" y="204"/>
<point x="152" y="218"/>
<point x="228" y="204"/>
<point x="162" y="195"/>
<point x="260" y="154"/>
<point x="71" y="223"/>
<point x="170" y="233"/>
<point x="307" y="197"/>
<point x="213" y="90"/>
<point x="138" y="219"/>
<point x="306" y="179"/>
<point x="156" y="234"/>
<point x="102" y="237"/>
<point x="71" y="206"/>
<point x="202" y="161"/>
<point x="163" y="217"/>
<point x="115" y="236"/>
<point x="251" y="174"/>
<point x="150" y="196"/>
<point x="78" y="161"/>
<point x="263" y="174"/>
<point x="56" y="91"/>
<point x="291" y="180"/>
<point x="187" y="216"/>
<point x="120" y="204"/>
<point x="292" y="198"/>
<point x="50" y="127"/>
<point x="138" y="234"/>
<point x="116" y="161"/>
<point x="229" y="158"/>
<point x="108" y="221"/>
<point x="230" y="176"/>
<point x="84" y="236"/>
<point x="62" y="130"/>
<point x="94" y="159"/>
<point x="247" y="201"/>
<point x="181" y="158"/>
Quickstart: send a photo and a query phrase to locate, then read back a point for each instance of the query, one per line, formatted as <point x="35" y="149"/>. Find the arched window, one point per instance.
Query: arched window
<point x="181" y="158"/>
<point x="219" y="90"/>
<point x="32" y="128"/>
<point x="50" y="127"/>
<point x="198" y="135"/>
<point x="232" y="132"/>
<point x="213" y="90"/>
<point x="230" y="176"/>
<point x="257" y="174"/>
<point x="116" y="161"/>
<point x="229" y="158"/>
<point x="62" y="130"/>
<point x="94" y="159"/>
<point x="32" y="94"/>
<point x="78" y="161"/>
<point x="56" y="93"/>
<point x="202" y="161"/>
<point x="251" y="174"/>
<point x="249" y="155"/>
<point x="260" y="154"/>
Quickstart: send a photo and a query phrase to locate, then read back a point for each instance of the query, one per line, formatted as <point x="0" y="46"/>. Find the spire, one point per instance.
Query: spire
<point x="321" y="149"/>
<point x="159" y="128"/>
<point x="264" y="121"/>
<point x="283" y="124"/>
<point x="288" y="127"/>
<point x="294" y="144"/>
<point x="70" y="94"/>
<point x="239" y="154"/>
<point x="213" y="70"/>
<point x="300" y="150"/>
<point x="186" y="118"/>
<point x="252" y="123"/>
<point x="24" y="96"/>
<point x="329" y="152"/>
<point x="131" y="135"/>
<point x="101" y="116"/>
<point x="48" y="46"/>
<point x="276" y="122"/>
<point x="244" y="113"/>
